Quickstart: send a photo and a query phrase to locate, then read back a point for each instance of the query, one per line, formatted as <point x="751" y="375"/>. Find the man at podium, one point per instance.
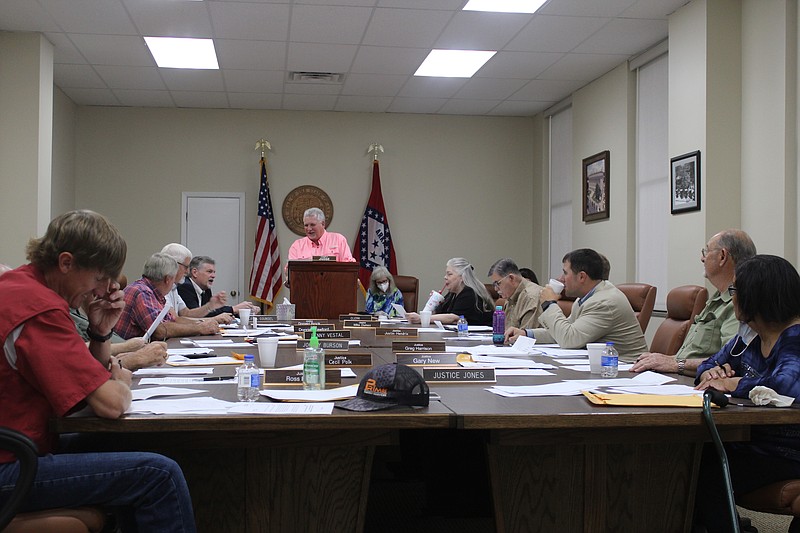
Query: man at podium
<point x="319" y="242"/>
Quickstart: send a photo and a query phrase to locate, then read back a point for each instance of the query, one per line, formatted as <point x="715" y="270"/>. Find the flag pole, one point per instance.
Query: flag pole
<point x="266" y="275"/>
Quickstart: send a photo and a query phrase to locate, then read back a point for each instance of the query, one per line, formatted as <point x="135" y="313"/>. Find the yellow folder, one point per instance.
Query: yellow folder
<point x="643" y="400"/>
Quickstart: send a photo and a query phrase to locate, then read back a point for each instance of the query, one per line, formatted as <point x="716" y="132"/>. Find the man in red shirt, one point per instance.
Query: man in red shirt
<point x="48" y="370"/>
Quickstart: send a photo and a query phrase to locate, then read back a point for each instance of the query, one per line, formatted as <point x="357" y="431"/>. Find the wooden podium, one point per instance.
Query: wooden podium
<point x="323" y="289"/>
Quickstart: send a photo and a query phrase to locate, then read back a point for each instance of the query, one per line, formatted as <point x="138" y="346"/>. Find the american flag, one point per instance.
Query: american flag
<point x="374" y="243"/>
<point x="266" y="278"/>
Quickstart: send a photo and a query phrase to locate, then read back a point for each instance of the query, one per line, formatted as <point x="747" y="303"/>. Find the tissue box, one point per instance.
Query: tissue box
<point x="285" y="312"/>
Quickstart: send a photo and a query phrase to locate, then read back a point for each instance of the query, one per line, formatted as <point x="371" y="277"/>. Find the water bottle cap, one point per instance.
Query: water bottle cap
<point x="609" y="344"/>
<point x="249" y="357"/>
<point x="499" y="308"/>
<point x="460" y="316"/>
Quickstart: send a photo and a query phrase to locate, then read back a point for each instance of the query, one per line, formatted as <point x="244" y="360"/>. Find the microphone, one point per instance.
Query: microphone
<point x="717" y="397"/>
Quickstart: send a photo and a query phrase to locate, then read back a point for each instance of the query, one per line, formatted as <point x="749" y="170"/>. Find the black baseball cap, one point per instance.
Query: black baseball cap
<point x="388" y="386"/>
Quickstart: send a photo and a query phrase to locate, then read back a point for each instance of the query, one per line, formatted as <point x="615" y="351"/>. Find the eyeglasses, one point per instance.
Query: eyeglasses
<point x="184" y="266"/>
<point x="496" y="284"/>
<point x="705" y="251"/>
<point x="731" y="289"/>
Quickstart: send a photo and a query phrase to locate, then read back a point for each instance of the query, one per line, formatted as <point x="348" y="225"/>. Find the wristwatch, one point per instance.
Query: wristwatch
<point x="547" y="304"/>
<point x="681" y="366"/>
<point x="99" y="338"/>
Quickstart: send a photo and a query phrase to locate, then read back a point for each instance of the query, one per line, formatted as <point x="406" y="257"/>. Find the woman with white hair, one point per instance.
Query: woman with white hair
<point x="465" y="295"/>
<point x="383" y="293"/>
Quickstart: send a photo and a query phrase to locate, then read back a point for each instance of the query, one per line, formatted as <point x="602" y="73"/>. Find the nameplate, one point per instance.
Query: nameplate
<point x="309" y="321"/>
<point x="396" y="332"/>
<point x="326" y="344"/>
<point x="405" y="347"/>
<point x="320" y="327"/>
<point x="348" y="359"/>
<point x="359" y="316"/>
<point x="295" y="377"/>
<point x="323" y="258"/>
<point x="329" y="334"/>
<point x="459" y="375"/>
<point x="360" y="323"/>
<point x="265" y="318"/>
<point x="421" y="359"/>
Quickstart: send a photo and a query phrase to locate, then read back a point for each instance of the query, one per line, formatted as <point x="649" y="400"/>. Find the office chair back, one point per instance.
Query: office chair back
<point x="409" y="286"/>
<point x="683" y="303"/>
<point x="642" y="298"/>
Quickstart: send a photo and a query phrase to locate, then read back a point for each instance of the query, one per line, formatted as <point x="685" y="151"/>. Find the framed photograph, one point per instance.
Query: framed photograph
<point x="685" y="182"/>
<point x="595" y="186"/>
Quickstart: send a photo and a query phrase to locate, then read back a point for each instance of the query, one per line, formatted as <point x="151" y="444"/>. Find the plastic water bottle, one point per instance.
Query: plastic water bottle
<point x="499" y="326"/>
<point x="463" y="327"/>
<point x="247" y="380"/>
<point x="313" y="364"/>
<point x="609" y="361"/>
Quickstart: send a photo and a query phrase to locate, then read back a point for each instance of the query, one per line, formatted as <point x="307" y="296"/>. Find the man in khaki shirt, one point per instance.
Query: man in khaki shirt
<point x="716" y="324"/>
<point x="522" y="296"/>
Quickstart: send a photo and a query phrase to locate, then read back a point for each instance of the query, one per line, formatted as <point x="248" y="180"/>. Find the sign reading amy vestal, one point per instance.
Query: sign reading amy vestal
<point x="459" y="375"/>
<point x="329" y="334"/>
<point x="405" y="346"/>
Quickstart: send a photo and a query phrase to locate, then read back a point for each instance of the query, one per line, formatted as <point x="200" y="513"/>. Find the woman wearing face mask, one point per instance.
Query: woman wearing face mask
<point x="382" y="293"/>
<point x="766" y="352"/>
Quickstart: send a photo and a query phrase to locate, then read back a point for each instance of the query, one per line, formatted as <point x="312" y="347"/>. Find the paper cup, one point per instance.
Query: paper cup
<point x="244" y="317"/>
<point x="556" y="285"/>
<point x="425" y="318"/>
<point x="595" y="353"/>
<point x="435" y="299"/>
<point x="267" y="351"/>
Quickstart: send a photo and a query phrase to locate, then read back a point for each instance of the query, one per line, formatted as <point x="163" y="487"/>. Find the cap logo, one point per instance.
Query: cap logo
<point x="371" y="387"/>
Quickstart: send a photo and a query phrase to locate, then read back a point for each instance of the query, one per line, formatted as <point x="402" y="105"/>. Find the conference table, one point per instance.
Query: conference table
<point x="556" y="463"/>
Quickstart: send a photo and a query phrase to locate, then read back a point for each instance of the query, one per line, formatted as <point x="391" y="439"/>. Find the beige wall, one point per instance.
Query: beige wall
<point x="63" y="172"/>
<point x="453" y="186"/>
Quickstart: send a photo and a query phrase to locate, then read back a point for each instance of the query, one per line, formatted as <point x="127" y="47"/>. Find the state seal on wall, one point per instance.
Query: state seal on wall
<point x="301" y="198"/>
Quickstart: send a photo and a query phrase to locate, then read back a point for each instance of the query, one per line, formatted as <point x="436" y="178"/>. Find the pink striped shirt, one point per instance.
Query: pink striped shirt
<point x="329" y="244"/>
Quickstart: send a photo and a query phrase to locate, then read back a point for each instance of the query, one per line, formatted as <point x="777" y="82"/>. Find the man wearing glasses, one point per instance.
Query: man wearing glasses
<point x="522" y="296"/>
<point x="716" y="324"/>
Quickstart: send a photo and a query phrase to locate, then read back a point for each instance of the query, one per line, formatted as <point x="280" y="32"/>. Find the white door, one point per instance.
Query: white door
<point x="213" y="225"/>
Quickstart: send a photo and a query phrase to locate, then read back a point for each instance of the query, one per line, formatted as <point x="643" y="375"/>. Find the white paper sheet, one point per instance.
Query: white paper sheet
<point x="153" y="392"/>
<point x="188" y="351"/>
<point x="400" y="310"/>
<point x="202" y="405"/>
<point x="171" y="371"/>
<point x="179" y="360"/>
<point x="268" y="408"/>
<point x="327" y="395"/>
<point x="156" y="323"/>
<point x="178" y="380"/>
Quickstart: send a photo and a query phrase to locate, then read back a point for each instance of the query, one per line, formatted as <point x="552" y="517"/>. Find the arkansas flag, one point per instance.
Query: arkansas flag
<point x="374" y="243"/>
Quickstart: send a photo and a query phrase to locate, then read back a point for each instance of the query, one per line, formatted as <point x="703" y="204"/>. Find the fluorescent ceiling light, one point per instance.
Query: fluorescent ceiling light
<point x="453" y="63"/>
<point x="505" y="6"/>
<point x="178" y="52"/>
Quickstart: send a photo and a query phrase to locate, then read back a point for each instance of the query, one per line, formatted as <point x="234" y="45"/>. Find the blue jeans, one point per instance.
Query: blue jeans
<point x="146" y="490"/>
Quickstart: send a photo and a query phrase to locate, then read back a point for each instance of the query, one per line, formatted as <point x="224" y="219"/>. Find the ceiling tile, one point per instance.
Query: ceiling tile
<point x="215" y="100"/>
<point x="470" y="30"/>
<point x="254" y="81"/>
<point x="624" y="36"/>
<point x="546" y="90"/>
<point x="312" y="88"/>
<point x="523" y="65"/>
<point x="312" y="24"/>
<point x="582" y="8"/>
<point x="90" y="16"/>
<point x="416" y="105"/>
<point x="26" y="15"/>
<point x="91" y="96"/>
<point x="516" y="109"/>
<point x="65" y="51"/>
<point x="554" y="33"/>
<point x="423" y="4"/>
<point x="192" y="80"/>
<point x="141" y="78"/>
<point x="138" y="98"/>
<point x="386" y="60"/>
<point x="320" y="57"/>
<point x="373" y="85"/>
<point x="77" y="76"/>
<point x="489" y="88"/>
<point x="170" y="19"/>
<point x="406" y="27"/>
<point x="653" y="9"/>
<point x="586" y="67"/>
<point x="309" y="102"/>
<point x="256" y="55"/>
<point x="363" y="104"/>
<point x="421" y="86"/>
<point x="113" y="49"/>
<point x="255" y="100"/>
<point x="468" y="107"/>
<point x="239" y="20"/>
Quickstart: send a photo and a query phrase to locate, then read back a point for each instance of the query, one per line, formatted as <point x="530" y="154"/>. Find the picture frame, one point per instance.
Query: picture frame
<point x="596" y="198"/>
<point x="685" y="182"/>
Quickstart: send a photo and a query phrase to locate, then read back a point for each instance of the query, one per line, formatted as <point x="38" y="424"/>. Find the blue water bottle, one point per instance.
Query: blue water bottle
<point x="498" y="326"/>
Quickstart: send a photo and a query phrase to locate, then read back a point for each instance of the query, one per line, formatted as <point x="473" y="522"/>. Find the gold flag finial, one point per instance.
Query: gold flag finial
<point x="375" y="149"/>
<point x="263" y="145"/>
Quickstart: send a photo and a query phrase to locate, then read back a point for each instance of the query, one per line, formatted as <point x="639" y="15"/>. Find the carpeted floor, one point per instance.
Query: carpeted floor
<point x="767" y="523"/>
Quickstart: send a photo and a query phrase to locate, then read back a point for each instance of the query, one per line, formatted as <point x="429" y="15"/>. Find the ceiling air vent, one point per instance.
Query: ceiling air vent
<point x="316" y="77"/>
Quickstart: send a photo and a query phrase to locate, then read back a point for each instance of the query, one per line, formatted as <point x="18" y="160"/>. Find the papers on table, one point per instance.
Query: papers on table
<point x="144" y="394"/>
<point x="584" y="367"/>
<point x="574" y="387"/>
<point x="171" y="371"/>
<point x="188" y="351"/>
<point x="553" y="350"/>
<point x="489" y="349"/>
<point x="179" y="360"/>
<point x="327" y="395"/>
<point x="203" y="405"/>
<point x="263" y="408"/>
<point x="191" y="380"/>
<point x="506" y="362"/>
<point x="156" y="323"/>
<point x="400" y="310"/>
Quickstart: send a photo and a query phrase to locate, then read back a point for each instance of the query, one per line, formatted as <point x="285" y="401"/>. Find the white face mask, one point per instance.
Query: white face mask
<point x="384" y="286"/>
<point x="746" y="336"/>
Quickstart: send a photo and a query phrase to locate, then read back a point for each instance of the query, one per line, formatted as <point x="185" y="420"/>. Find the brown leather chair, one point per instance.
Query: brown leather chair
<point x="495" y="295"/>
<point x="409" y="286"/>
<point x="642" y="298"/>
<point x="782" y="497"/>
<point x="79" y="520"/>
<point x="683" y="303"/>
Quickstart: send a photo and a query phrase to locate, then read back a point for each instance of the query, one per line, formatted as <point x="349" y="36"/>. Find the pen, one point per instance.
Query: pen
<point x="217" y="379"/>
